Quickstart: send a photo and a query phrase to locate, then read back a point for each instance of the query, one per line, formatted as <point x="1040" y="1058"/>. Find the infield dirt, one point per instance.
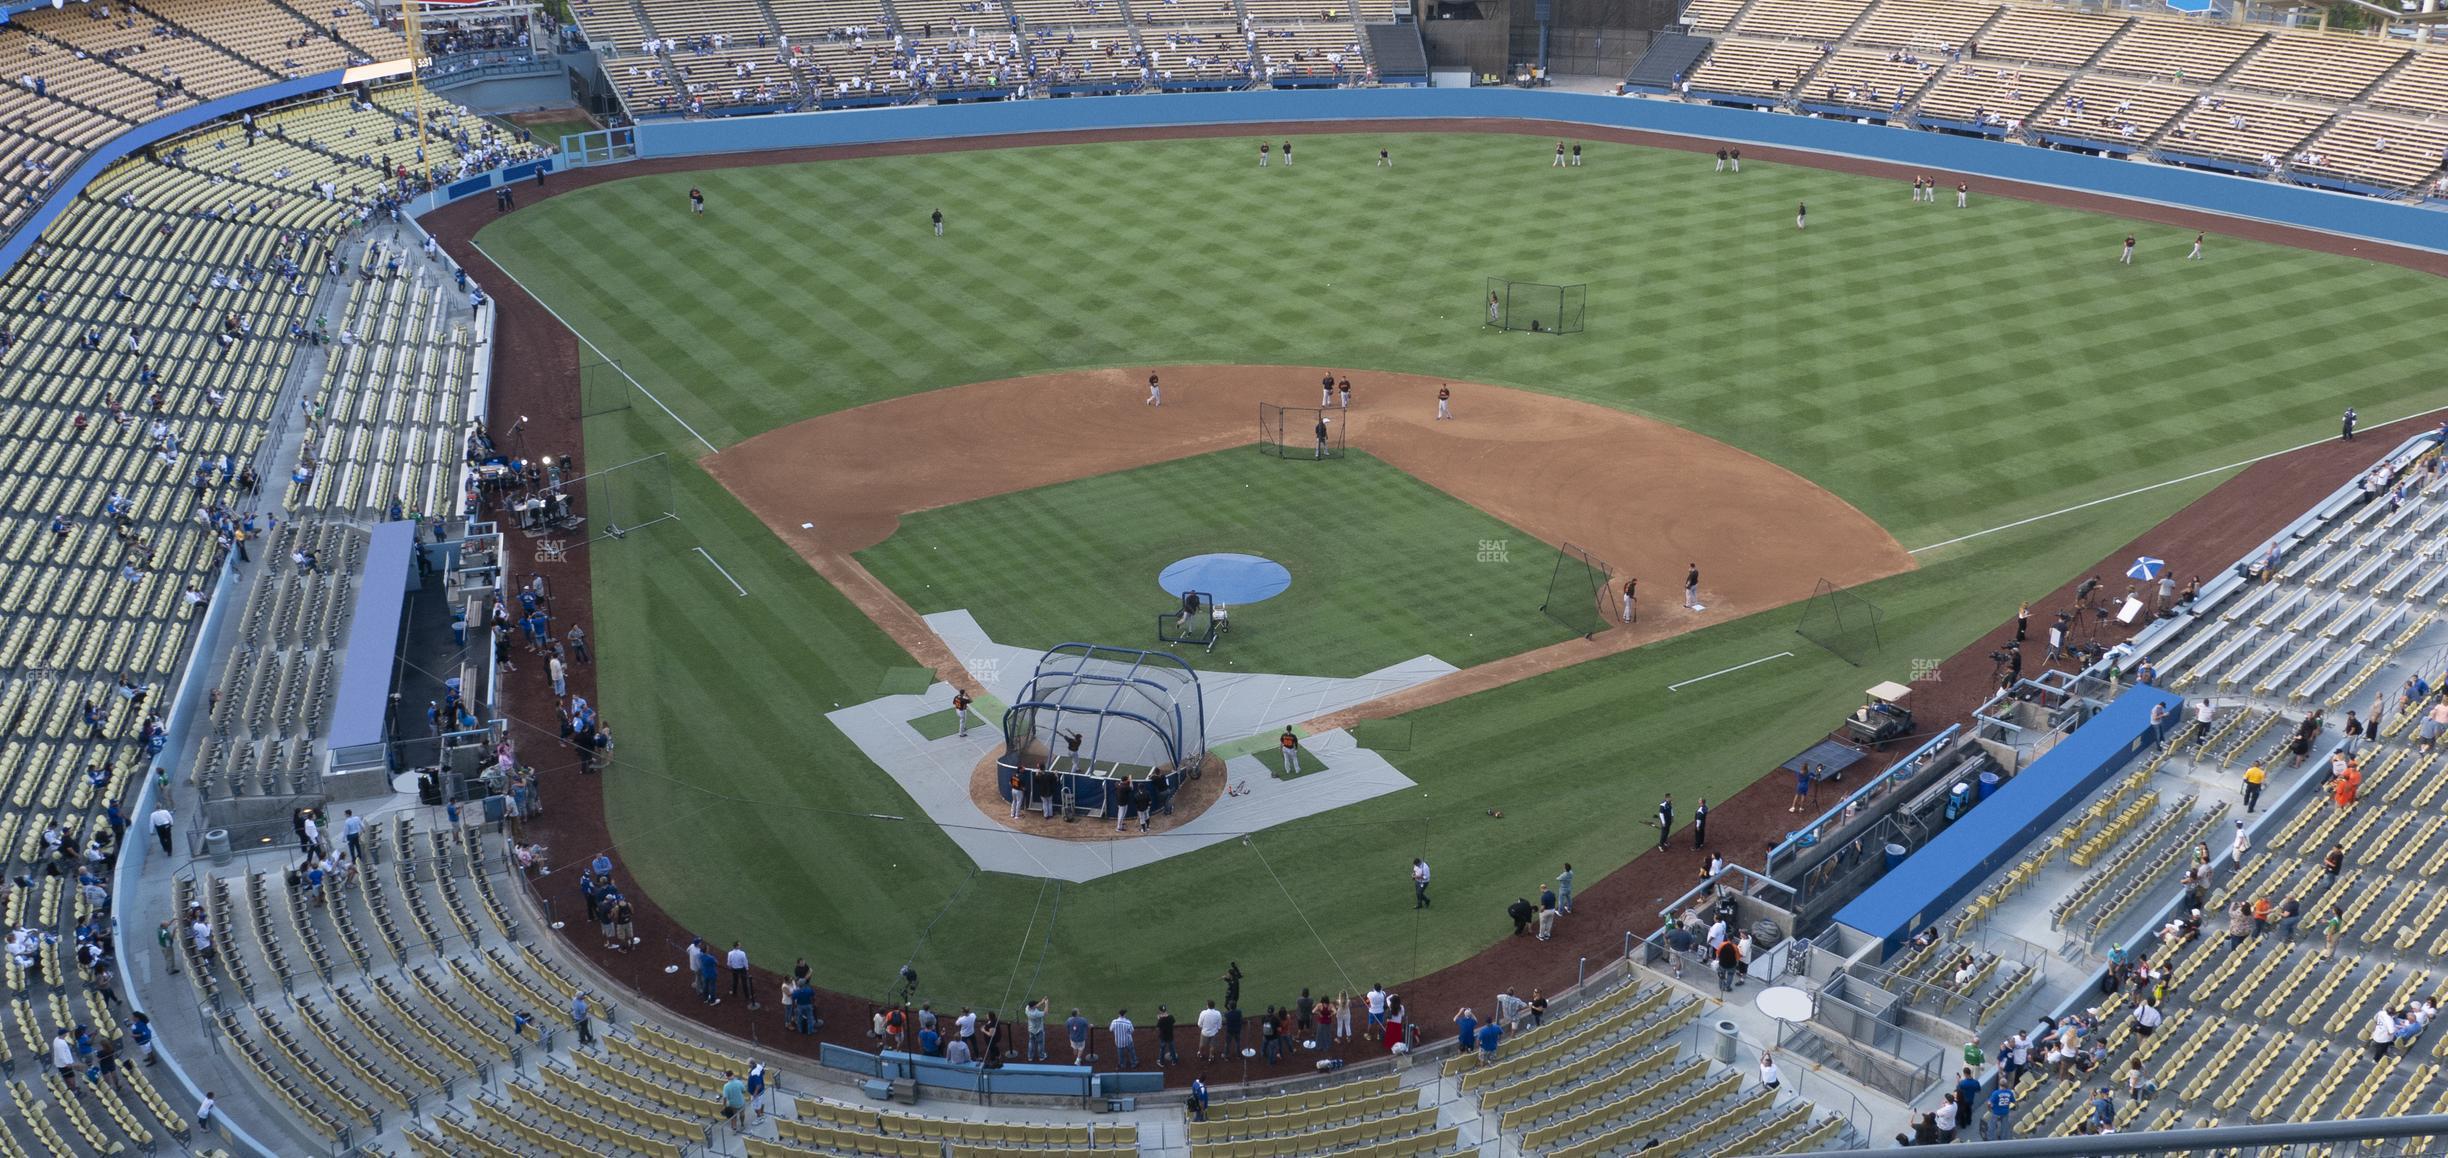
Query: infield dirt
<point x="1649" y="498"/>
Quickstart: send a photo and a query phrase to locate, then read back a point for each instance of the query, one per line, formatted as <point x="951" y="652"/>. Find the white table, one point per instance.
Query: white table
<point x="1784" y="1003"/>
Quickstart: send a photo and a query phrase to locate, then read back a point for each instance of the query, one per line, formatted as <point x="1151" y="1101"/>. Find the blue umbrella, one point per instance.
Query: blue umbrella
<point x="2146" y="568"/>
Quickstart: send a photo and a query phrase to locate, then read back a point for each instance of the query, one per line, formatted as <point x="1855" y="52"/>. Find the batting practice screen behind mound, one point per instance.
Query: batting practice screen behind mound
<point x="1535" y="306"/>
<point x="1300" y="431"/>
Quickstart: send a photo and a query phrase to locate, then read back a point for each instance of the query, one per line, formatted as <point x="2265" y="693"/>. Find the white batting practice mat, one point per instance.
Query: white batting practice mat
<point x="936" y="773"/>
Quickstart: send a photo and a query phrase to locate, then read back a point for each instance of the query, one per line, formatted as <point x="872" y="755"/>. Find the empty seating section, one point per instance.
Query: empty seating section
<point x="612" y="27"/>
<point x="2422" y="86"/>
<point x="1764" y="68"/>
<point x="2394" y="153"/>
<point x="1926" y="26"/>
<point x="270" y="37"/>
<point x="2048" y="36"/>
<point x="1712" y="15"/>
<point x="1305" y="38"/>
<point x="1802" y="19"/>
<point x="2179" y="50"/>
<point x="2113" y="110"/>
<point x="2243" y="129"/>
<point x="396" y="403"/>
<point x="2305" y="64"/>
<point x="357" y="1052"/>
<point x="2171" y="89"/>
<point x="1986" y="92"/>
<point x="1869" y="80"/>
<point x="177" y="65"/>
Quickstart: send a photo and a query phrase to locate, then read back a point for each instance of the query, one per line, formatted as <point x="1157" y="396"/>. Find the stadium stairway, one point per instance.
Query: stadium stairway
<point x="1671" y="55"/>
<point x="1395" y="49"/>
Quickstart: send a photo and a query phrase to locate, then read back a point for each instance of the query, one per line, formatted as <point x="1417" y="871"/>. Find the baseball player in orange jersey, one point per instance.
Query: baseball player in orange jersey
<point x="1291" y="752"/>
<point x="960" y="713"/>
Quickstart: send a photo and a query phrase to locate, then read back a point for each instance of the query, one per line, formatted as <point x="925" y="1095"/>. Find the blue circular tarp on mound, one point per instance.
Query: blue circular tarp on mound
<point x="1227" y="579"/>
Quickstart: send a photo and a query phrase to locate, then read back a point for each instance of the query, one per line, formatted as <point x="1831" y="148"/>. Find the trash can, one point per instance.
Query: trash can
<point x="1988" y="784"/>
<point x="1896" y="854"/>
<point x="217" y="845"/>
<point x="1959" y="798"/>
<point x="1726" y="1037"/>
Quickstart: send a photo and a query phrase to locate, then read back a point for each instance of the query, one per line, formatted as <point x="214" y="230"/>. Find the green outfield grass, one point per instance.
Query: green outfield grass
<point x="1943" y="370"/>
<point x="1384" y="567"/>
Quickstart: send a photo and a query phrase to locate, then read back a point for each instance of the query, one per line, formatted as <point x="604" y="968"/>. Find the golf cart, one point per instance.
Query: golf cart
<point x="1882" y="716"/>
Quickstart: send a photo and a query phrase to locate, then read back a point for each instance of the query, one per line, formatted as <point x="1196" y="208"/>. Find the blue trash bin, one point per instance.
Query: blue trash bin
<point x="1988" y="784"/>
<point x="1896" y="854"/>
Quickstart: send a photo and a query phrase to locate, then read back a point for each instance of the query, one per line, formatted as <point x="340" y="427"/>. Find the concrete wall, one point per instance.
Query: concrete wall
<point x="511" y="94"/>
<point x="2160" y="184"/>
<point x="1482" y="46"/>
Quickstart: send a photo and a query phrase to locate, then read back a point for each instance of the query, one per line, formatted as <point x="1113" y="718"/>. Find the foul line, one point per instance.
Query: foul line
<point x="599" y="351"/>
<point x="726" y="572"/>
<point x="2237" y="465"/>
<point x="1736" y="667"/>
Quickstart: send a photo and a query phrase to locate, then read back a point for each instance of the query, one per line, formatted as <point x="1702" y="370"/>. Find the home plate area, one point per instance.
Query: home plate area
<point x="1244" y="710"/>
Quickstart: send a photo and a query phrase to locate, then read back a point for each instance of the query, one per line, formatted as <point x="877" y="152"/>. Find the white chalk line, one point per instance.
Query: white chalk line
<point x="590" y="344"/>
<point x="726" y="571"/>
<point x="1735" y="668"/>
<point x="2238" y="465"/>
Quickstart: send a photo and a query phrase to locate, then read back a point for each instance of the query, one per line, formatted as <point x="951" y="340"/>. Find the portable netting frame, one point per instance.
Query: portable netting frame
<point x="1842" y="622"/>
<point x="1135" y="711"/>
<point x="1535" y="307"/>
<point x="603" y="387"/>
<point x="604" y="504"/>
<point x="1292" y="431"/>
<point x="1579" y="590"/>
<point x="1199" y="631"/>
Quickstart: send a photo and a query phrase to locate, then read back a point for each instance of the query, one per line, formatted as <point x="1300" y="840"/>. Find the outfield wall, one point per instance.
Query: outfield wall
<point x="2294" y="205"/>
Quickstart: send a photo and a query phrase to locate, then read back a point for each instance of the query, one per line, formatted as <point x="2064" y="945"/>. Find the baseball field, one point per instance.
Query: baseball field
<point x="1844" y="402"/>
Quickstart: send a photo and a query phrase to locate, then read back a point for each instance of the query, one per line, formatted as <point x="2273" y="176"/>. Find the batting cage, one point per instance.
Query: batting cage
<point x="1091" y="716"/>
<point x="1195" y="620"/>
<point x="1305" y="432"/>
<point x="1580" y="591"/>
<point x="603" y="387"/>
<point x="1842" y="622"/>
<point x="1535" y="307"/>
